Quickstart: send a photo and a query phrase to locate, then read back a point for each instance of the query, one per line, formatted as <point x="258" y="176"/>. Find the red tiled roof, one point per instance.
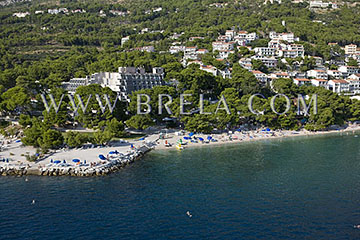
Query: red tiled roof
<point x="302" y="79"/>
<point x="339" y="81"/>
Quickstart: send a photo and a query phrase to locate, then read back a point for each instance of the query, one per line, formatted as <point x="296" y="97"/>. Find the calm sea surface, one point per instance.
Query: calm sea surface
<point x="296" y="188"/>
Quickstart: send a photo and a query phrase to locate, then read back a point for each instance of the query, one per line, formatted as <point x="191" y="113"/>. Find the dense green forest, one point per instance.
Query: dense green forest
<point x="40" y="51"/>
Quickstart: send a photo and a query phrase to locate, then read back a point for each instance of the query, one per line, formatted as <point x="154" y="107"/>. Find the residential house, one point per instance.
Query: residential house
<point x="251" y="37"/>
<point x="348" y="70"/>
<point x="319" y="61"/>
<point x="176" y="49"/>
<point x="220" y="46"/>
<point x="354" y="76"/>
<point x="210" y="69"/>
<point x="124" y="40"/>
<point x="317" y="74"/>
<point x="224" y="54"/>
<point x="243" y="36"/>
<point x="264" y="51"/>
<point x="226" y="73"/>
<point x="350" y="49"/>
<point x="292" y="51"/>
<point x="334" y="74"/>
<point x="246" y="63"/>
<point x="302" y="81"/>
<point x="190" y="53"/>
<point x="21" y="14"/>
<point x="230" y="34"/>
<point x="354" y="85"/>
<point x="269" y="62"/>
<point x="279" y="75"/>
<point x="260" y="76"/>
<point x="202" y="51"/>
<point x="288" y="37"/>
<point x="194" y="38"/>
<point x="339" y="86"/>
<point x="320" y="83"/>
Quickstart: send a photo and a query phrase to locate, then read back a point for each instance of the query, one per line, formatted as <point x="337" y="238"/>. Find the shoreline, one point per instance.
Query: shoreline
<point x="92" y="166"/>
<point x="85" y="169"/>
<point x="251" y="138"/>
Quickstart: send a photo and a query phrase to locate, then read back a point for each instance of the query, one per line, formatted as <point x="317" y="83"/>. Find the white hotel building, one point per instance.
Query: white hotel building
<point x="124" y="82"/>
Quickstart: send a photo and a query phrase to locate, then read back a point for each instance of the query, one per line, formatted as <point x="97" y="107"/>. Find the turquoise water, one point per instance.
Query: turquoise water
<point x="297" y="188"/>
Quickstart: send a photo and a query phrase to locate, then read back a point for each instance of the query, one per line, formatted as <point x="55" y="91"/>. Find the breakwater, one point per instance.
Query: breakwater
<point x="105" y="167"/>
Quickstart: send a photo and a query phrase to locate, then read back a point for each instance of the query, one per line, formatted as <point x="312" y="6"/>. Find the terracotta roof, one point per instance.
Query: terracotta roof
<point x="302" y="79"/>
<point x="339" y="81"/>
<point x="319" y="80"/>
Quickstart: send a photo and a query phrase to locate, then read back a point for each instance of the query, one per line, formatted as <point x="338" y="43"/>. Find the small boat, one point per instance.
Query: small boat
<point x="179" y="147"/>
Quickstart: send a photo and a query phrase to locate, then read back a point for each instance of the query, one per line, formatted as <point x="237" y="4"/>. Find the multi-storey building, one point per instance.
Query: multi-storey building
<point x="190" y="53"/>
<point x="124" y="82"/>
<point x="302" y="81"/>
<point x="339" y="86"/>
<point x="320" y="83"/>
<point x="269" y="62"/>
<point x="292" y="51"/>
<point x="348" y="70"/>
<point x="260" y="76"/>
<point x="350" y="49"/>
<point x="317" y="74"/>
<point x="221" y="46"/>
<point x="265" y="51"/>
<point x="335" y="74"/>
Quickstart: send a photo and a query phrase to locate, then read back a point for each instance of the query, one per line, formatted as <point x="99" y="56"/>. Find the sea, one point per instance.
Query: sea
<point x="291" y="188"/>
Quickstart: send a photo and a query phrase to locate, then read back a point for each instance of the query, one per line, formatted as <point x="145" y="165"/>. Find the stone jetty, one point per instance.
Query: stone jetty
<point x="105" y="167"/>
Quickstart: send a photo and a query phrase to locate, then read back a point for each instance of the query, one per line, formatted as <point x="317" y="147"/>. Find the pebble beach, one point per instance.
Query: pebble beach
<point x="93" y="160"/>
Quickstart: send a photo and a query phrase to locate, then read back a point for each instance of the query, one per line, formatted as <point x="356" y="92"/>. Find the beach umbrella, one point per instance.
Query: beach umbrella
<point x="102" y="157"/>
<point x="268" y="129"/>
<point x="201" y="139"/>
<point x="57" y="161"/>
<point x="209" y="138"/>
<point x="191" y="134"/>
<point x="76" y="160"/>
